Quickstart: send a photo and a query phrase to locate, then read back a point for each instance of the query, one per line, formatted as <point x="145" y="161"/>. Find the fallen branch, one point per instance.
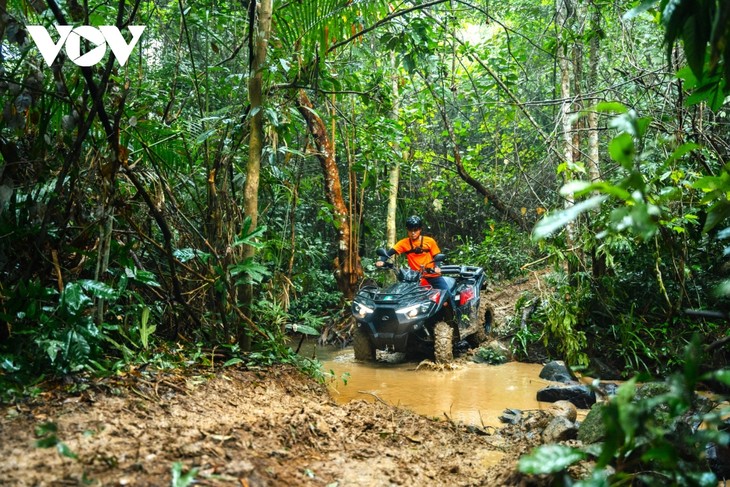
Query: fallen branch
<point x="374" y="395"/>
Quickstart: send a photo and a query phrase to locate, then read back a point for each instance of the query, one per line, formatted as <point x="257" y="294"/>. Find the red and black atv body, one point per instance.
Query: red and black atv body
<point x="408" y="316"/>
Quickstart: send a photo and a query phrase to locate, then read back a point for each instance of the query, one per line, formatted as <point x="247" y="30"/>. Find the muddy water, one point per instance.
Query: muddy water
<point x="475" y="394"/>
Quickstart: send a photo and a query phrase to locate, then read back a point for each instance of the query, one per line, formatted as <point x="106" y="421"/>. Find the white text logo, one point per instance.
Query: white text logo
<point x="71" y="36"/>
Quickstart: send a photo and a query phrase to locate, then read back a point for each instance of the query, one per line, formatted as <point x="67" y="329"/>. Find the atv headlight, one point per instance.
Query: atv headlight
<point x="360" y="310"/>
<point x="414" y="310"/>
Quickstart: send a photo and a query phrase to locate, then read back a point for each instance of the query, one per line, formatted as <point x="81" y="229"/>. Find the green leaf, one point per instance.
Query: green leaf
<point x="146" y="277"/>
<point x="44" y="429"/>
<point x="65" y="451"/>
<point x="582" y="188"/>
<point x="73" y="298"/>
<point x="610" y="107"/>
<point x="205" y="136"/>
<point x="233" y="361"/>
<point x="248" y="236"/>
<point x="51" y="347"/>
<point x="720" y="376"/>
<point x="251" y="272"/>
<point x="672" y="19"/>
<point x="622" y="150"/>
<point x="722" y="289"/>
<point x="643" y="7"/>
<point x="558" y="220"/>
<point x="99" y="289"/>
<point x="76" y="348"/>
<point x="695" y="36"/>
<point x="716" y="215"/>
<point x="549" y="459"/>
<point x="712" y="183"/>
<point x="47" y="442"/>
<point x="304" y="329"/>
<point x="180" y="478"/>
<point x="664" y="453"/>
<point x="682" y="150"/>
<point x="576" y="188"/>
<point x="185" y="255"/>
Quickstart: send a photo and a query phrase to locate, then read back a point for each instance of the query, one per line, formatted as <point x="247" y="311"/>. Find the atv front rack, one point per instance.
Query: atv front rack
<point x="374" y="293"/>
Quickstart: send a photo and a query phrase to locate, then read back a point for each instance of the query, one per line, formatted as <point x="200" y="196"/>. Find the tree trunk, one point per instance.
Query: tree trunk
<point x="256" y="139"/>
<point x="599" y="267"/>
<point x="348" y="269"/>
<point x="394" y="174"/>
<point x="594" y="56"/>
<point x="391" y="226"/>
<point x="563" y="9"/>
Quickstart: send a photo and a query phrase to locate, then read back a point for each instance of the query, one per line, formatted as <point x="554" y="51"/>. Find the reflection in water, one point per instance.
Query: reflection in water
<point x="473" y="393"/>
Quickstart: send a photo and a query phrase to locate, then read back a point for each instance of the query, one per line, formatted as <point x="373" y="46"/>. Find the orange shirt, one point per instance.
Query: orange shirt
<point x="417" y="260"/>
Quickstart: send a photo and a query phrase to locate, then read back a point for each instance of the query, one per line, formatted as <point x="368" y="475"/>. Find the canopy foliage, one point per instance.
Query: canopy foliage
<point x="122" y="186"/>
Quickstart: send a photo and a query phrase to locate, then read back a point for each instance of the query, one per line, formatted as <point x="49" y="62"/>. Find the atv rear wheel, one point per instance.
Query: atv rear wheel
<point x="482" y="319"/>
<point x="443" y="345"/>
<point x="364" y="348"/>
<point x="488" y="320"/>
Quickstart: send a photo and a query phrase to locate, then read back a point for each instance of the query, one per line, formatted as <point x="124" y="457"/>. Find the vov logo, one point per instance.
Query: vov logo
<point x="71" y="36"/>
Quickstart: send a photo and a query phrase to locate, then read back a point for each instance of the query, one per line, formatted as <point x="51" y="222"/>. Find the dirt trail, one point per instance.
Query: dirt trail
<point x="241" y="427"/>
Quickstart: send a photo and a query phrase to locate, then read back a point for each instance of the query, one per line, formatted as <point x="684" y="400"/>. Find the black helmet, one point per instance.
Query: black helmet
<point x="414" y="223"/>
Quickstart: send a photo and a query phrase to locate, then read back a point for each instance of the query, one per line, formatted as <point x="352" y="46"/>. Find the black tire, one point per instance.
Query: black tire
<point x="480" y="334"/>
<point x="443" y="343"/>
<point x="364" y="349"/>
<point x="488" y="320"/>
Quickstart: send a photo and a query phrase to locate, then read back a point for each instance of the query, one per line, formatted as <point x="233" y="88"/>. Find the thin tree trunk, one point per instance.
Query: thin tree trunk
<point x="260" y="35"/>
<point x="346" y="274"/>
<point x="390" y="222"/>
<point x="599" y="264"/>
<point x="394" y="174"/>
<point x="594" y="57"/>
<point x="563" y="7"/>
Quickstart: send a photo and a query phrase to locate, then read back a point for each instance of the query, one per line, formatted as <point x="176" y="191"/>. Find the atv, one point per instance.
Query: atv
<point x="411" y="316"/>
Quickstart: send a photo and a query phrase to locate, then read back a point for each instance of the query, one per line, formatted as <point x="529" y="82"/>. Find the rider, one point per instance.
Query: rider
<point x="420" y="251"/>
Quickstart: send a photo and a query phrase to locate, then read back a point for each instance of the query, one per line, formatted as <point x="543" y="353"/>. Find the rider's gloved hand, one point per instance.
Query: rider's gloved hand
<point x="437" y="270"/>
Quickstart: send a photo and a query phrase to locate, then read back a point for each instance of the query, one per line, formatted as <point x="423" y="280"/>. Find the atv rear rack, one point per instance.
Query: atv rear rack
<point x="465" y="271"/>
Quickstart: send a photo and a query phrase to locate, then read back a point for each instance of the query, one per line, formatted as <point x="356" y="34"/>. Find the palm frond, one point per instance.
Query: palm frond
<point x="311" y="26"/>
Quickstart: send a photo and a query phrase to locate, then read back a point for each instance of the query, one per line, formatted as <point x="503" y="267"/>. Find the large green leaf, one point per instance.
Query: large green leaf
<point x="99" y="289"/>
<point x="549" y="459"/>
<point x="695" y="36"/>
<point x="555" y="221"/>
<point x="622" y="150"/>
<point x="73" y="298"/>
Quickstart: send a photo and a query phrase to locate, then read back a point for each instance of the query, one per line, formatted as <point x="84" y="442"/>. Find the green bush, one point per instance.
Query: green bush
<point x="649" y="439"/>
<point x="502" y="252"/>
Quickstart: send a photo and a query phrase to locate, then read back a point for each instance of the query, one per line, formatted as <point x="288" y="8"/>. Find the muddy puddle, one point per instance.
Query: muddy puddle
<point x="471" y="393"/>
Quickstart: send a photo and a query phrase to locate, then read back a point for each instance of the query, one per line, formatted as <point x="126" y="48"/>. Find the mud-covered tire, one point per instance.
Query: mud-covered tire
<point x="443" y="343"/>
<point x="488" y="320"/>
<point x="364" y="348"/>
<point x="480" y="334"/>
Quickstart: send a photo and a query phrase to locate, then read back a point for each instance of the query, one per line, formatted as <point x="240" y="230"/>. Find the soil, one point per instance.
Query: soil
<point x="247" y="427"/>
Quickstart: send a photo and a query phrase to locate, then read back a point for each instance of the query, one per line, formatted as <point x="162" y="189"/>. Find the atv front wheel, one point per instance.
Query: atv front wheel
<point x="443" y="345"/>
<point x="364" y="348"/>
